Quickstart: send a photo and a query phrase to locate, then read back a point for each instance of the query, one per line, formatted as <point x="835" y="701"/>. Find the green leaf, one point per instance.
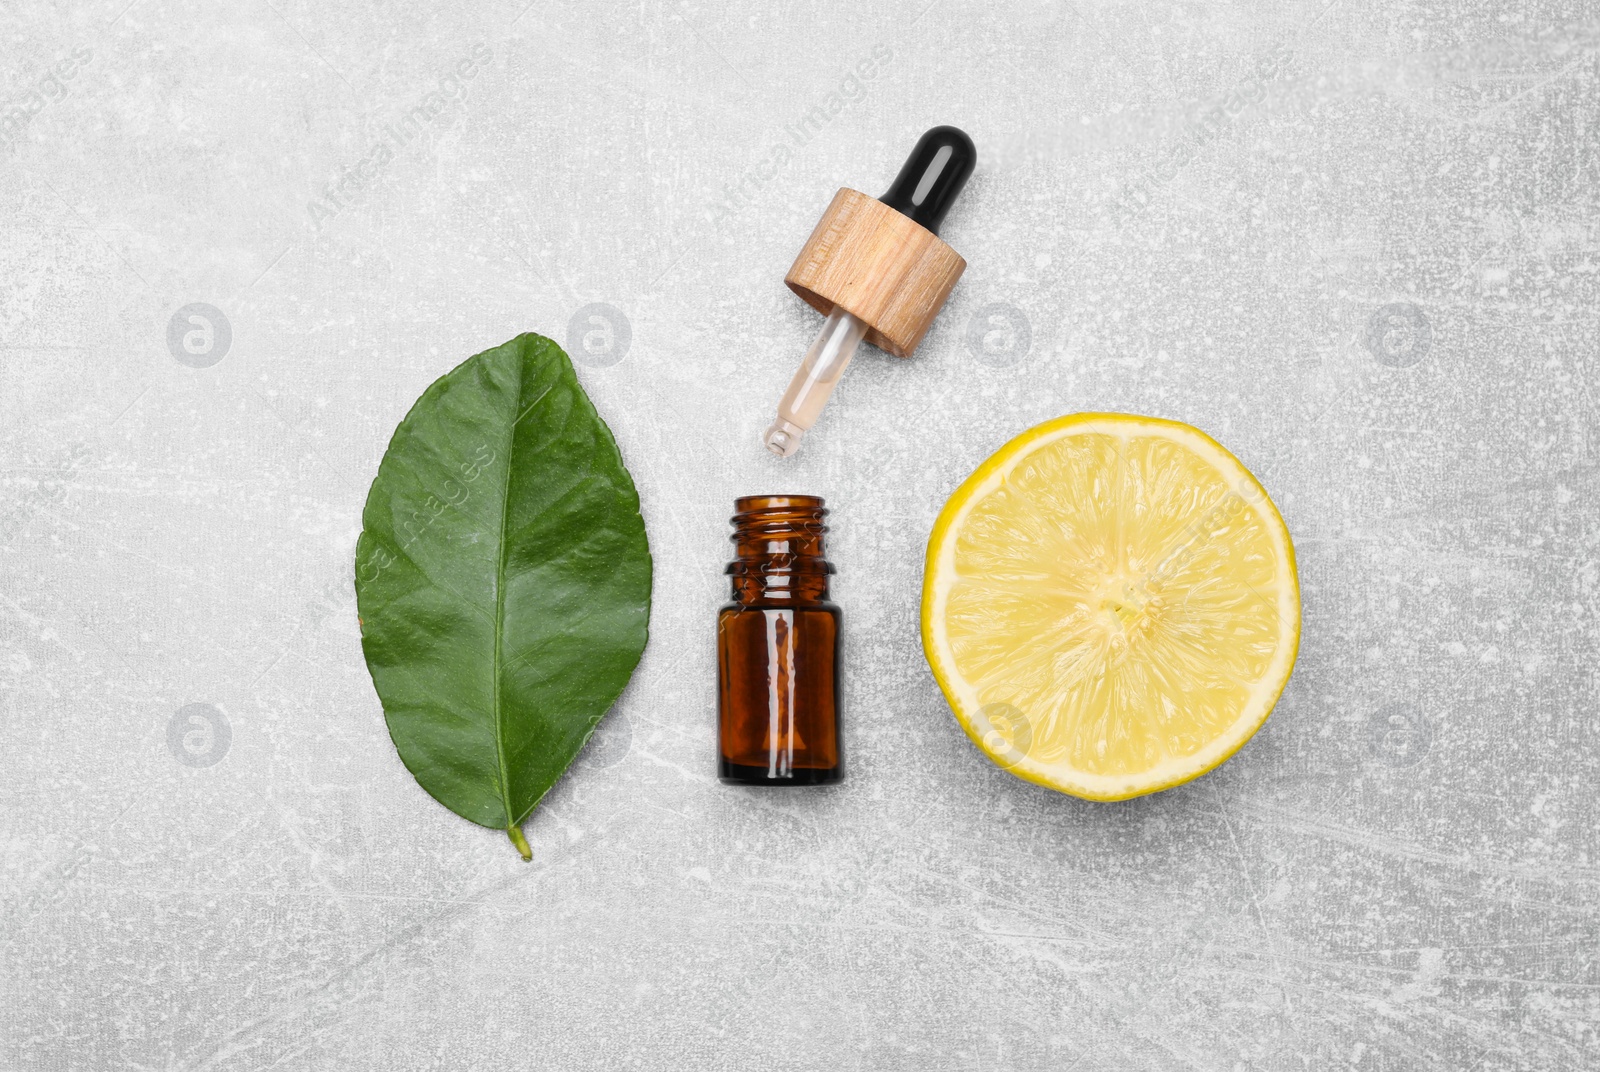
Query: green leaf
<point x="503" y="581"/>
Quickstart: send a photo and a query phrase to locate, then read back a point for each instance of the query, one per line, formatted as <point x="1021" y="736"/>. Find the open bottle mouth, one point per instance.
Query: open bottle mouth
<point x="778" y="547"/>
<point x="787" y="516"/>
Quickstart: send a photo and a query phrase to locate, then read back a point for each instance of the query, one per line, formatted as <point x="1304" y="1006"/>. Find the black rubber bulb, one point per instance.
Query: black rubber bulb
<point x="932" y="176"/>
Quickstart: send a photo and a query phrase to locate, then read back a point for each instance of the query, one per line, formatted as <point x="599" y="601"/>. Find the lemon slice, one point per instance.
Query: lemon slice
<point x="1110" y="605"/>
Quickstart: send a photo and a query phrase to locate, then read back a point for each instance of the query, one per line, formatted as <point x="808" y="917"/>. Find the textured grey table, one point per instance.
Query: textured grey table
<point x="1359" y="243"/>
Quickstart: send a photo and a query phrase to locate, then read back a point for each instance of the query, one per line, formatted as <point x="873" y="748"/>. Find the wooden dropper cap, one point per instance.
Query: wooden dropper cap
<point x="881" y="259"/>
<point x="875" y="267"/>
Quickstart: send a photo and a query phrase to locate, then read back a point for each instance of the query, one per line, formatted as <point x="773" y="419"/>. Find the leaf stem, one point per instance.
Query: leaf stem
<point x="514" y="832"/>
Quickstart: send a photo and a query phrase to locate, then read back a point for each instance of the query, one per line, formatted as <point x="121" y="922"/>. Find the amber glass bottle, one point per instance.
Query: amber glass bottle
<point x="778" y="649"/>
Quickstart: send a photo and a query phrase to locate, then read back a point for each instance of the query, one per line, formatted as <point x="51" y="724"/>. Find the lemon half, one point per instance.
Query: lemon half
<point x="1110" y="604"/>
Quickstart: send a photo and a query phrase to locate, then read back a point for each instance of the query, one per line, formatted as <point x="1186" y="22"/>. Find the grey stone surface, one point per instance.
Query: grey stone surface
<point x="1356" y="241"/>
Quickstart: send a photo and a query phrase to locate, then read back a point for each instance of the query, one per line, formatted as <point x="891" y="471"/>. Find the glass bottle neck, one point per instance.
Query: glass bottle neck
<point x="778" y="556"/>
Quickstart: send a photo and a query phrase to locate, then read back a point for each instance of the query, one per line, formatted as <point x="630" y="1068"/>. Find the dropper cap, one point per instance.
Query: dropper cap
<point x="881" y="259"/>
<point x="878" y="270"/>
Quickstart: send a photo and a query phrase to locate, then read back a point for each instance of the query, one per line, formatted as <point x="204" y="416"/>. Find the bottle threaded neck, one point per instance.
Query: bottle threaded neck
<point x="778" y="553"/>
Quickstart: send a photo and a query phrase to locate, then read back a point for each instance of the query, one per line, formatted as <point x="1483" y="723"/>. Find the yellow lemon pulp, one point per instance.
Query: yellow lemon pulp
<point x="1110" y="605"/>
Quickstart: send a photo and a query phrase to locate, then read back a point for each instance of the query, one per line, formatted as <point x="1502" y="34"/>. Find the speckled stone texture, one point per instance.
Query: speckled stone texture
<point x="1358" y="242"/>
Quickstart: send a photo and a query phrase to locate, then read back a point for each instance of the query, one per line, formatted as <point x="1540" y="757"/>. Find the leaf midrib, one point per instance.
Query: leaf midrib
<point x="500" y="593"/>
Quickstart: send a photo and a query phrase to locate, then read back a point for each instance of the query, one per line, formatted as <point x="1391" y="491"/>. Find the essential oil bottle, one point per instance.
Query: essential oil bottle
<point x="778" y="649"/>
